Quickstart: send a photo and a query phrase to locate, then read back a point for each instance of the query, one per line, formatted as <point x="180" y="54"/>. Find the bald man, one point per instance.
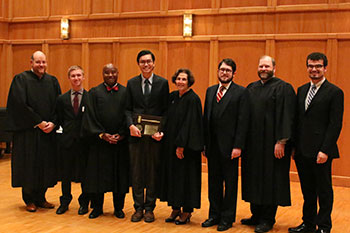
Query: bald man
<point x="31" y="111"/>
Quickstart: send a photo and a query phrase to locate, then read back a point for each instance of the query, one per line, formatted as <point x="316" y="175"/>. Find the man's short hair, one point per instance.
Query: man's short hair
<point x="272" y="59"/>
<point x="190" y="77"/>
<point x="229" y="62"/>
<point x="143" y="53"/>
<point x="317" y="56"/>
<point x="75" y="67"/>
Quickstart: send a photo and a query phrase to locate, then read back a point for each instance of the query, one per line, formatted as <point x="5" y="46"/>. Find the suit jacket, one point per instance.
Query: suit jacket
<point x="135" y="100"/>
<point x="70" y="122"/>
<point x="320" y="125"/>
<point x="233" y="115"/>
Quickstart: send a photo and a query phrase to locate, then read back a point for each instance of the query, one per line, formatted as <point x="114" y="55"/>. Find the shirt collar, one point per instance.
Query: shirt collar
<point x="319" y="83"/>
<point x="150" y="79"/>
<point x="227" y="87"/>
<point x="80" y="91"/>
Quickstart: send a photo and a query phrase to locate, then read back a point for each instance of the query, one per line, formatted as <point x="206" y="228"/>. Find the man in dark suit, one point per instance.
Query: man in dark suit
<point x="72" y="150"/>
<point x="148" y="94"/>
<point x="226" y="116"/>
<point x="320" y="115"/>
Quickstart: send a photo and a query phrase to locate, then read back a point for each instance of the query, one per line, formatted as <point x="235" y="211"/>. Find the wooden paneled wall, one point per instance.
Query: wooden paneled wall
<point x="104" y="31"/>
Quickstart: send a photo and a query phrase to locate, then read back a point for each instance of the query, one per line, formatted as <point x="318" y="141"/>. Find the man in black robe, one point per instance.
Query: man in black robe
<point x="108" y="160"/>
<point x="320" y="111"/>
<point x="31" y="109"/>
<point x="148" y="94"/>
<point x="225" y="126"/>
<point x="72" y="148"/>
<point x="265" y="166"/>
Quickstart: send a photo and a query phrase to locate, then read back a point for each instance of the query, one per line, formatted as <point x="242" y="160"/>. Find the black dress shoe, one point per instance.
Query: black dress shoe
<point x="302" y="228"/>
<point x="263" y="227"/>
<point x="224" y="226"/>
<point x="210" y="222"/>
<point x="184" y="218"/>
<point x="83" y="210"/>
<point x="173" y="216"/>
<point x="61" y="209"/>
<point x="95" y="213"/>
<point x="249" y="221"/>
<point x="323" y="231"/>
<point x="119" y="214"/>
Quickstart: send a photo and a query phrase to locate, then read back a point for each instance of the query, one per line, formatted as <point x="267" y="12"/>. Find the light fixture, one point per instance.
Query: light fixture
<point x="64" y="28"/>
<point x="187" y="29"/>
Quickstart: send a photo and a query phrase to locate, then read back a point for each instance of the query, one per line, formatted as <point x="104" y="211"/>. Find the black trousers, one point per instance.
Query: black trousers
<point x="144" y="163"/>
<point x="66" y="197"/>
<point x="118" y="201"/>
<point x="264" y="213"/>
<point x="223" y="182"/>
<point x="316" y="184"/>
<point x="35" y="196"/>
<point x="184" y="208"/>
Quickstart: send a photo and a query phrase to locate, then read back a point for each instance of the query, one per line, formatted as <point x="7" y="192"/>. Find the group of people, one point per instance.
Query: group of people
<point x="113" y="136"/>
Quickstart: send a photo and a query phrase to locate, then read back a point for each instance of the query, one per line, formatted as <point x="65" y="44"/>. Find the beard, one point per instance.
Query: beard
<point x="269" y="74"/>
<point x="225" y="80"/>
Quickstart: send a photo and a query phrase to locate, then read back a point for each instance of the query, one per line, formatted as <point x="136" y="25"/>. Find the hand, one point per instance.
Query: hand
<point x="42" y="125"/>
<point x="158" y="136"/>
<point x="134" y="131"/>
<point x="180" y="152"/>
<point x="111" y="139"/>
<point x="279" y="150"/>
<point x="236" y="152"/>
<point x="118" y="137"/>
<point x="49" y="127"/>
<point x="321" y="158"/>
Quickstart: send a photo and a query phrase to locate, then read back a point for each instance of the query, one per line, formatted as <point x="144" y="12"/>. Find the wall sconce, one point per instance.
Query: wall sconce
<point x="187" y="29"/>
<point x="64" y="29"/>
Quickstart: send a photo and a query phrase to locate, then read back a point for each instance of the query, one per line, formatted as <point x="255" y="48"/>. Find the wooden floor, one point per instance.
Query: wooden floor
<point x="14" y="217"/>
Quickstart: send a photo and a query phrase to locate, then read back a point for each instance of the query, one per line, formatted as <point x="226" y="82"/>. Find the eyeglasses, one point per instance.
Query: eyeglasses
<point x="223" y="70"/>
<point x="144" y="62"/>
<point x="317" y="67"/>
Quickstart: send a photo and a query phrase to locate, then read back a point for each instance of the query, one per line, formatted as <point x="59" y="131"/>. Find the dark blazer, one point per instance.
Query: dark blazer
<point x="135" y="100"/>
<point x="70" y="122"/>
<point x="234" y="118"/>
<point x="319" y="126"/>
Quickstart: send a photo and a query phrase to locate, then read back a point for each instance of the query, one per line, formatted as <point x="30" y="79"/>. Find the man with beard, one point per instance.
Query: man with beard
<point x="226" y="120"/>
<point x="265" y="166"/>
<point x="31" y="111"/>
<point x="320" y="114"/>
<point x="108" y="159"/>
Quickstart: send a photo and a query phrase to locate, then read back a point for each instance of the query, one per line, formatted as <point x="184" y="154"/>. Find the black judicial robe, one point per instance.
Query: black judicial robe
<point x="265" y="179"/>
<point x="181" y="178"/>
<point x="73" y="148"/>
<point x="108" y="164"/>
<point x="32" y="100"/>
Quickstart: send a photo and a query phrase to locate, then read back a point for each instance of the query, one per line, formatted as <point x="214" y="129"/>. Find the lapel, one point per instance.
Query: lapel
<point x="68" y="101"/>
<point x="303" y="94"/>
<point x="227" y="97"/>
<point x="211" y="95"/>
<point x="138" y="91"/>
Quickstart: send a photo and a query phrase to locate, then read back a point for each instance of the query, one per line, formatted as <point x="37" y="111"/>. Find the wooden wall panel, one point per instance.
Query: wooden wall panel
<point x="98" y="6"/>
<point x="246" y="55"/>
<point x="188" y="4"/>
<point x="34" y="30"/>
<point x="32" y="8"/>
<point x="4" y="80"/>
<point x="239" y="3"/>
<point x="137" y="5"/>
<point x="100" y="55"/>
<point x="342" y="80"/>
<point x="307" y="22"/>
<point x="194" y="56"/>
<point x="60" y="58"/>
<point x="66" y="7"/>
<point x="295" y="2"/>
<point x="4" y="32"/>
<point x="340" y="22"/>
<point x="21" y="57"/>
<point x="128" y="67"/>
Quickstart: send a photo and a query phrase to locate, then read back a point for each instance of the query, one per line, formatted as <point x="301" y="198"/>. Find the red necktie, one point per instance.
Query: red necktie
<point x="115" y="88"/>
<point x="76" y="103"/>
<point x="220" y="93"/>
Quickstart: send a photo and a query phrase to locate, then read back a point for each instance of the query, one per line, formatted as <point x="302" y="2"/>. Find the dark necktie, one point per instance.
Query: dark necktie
<point x="76" y="103"/>
<point x="220" y="93"/>
<point x="147" y="90"/>
<point x="115" y="88"/>
<point x="310" y="96"/>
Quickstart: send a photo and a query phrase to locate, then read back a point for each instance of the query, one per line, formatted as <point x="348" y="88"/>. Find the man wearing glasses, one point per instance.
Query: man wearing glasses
<point x="320" y="115"/>
<point x="226" y="120"/>
<point x="265" y="166"/>
<point x="147" y="94"/>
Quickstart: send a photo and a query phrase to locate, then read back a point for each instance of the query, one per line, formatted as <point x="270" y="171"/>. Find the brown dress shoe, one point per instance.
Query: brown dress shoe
<point x="31" y="207"/>
<point x="173" y="216"/>
<point x="137" y="216"/>
<point x="46" y="205"/>
<point x="149" y="216"/>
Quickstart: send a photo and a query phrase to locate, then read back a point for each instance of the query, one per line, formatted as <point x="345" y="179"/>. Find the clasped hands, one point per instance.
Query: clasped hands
<point x="112" y="138"/>
<point x="46" y="127"/>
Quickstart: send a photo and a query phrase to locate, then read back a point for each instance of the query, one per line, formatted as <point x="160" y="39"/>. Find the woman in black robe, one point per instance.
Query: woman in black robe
<point x="181" y="165"/>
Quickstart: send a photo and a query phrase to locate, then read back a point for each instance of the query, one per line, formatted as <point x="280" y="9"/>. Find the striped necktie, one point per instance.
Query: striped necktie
<point x="220" y="93"/>
<point x="310" y="96"/>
